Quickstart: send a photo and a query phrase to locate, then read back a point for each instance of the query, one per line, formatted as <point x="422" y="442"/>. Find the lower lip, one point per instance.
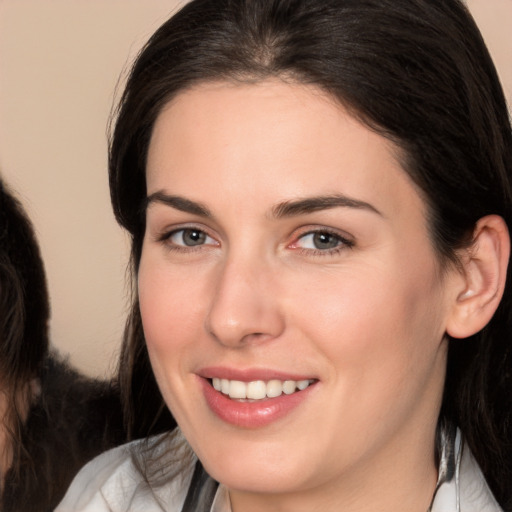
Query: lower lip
<point x="252" y="414"/>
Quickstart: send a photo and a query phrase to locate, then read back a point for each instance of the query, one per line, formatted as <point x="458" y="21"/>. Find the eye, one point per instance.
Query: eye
<point x="190" y="237"/>
<point x="321" y="241"/>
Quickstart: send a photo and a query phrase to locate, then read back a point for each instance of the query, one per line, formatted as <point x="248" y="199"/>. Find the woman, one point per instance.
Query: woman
<point x="53" y="419"/>
<point x="318" y="195"/>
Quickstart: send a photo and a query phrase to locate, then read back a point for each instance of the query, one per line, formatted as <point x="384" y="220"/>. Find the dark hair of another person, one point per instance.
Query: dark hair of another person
<point x="24" y="310"/>
<point x="63" y="419"/>
<point x="415" y="71"/>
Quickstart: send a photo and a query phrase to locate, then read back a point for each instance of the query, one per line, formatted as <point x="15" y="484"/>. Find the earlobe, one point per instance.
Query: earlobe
<point x="484" y="273"/>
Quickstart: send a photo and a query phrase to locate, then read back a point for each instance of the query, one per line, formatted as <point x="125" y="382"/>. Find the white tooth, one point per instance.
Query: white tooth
<point x="224" y="386"/>
<point x="216" y="383"/>
<point x="256" y="390"/>
<point x="302" y="384"/>
<point x="289" y="387"/>
<point x="237" y="389"/>
<point x="274" y="388"/>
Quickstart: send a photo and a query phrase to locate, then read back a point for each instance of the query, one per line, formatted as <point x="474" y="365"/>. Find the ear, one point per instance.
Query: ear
<point x="484" y="273"/>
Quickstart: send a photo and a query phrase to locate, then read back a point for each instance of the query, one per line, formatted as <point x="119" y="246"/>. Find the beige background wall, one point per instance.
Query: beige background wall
<point x="59" y="65"/>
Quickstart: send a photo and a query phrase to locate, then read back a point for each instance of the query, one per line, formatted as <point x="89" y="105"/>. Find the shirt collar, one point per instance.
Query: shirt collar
<point x="221" y="503"/>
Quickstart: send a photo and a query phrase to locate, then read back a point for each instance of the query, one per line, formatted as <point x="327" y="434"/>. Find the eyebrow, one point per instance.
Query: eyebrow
<point x="281" y="210"/>
<point x="314" y="204"/>
<point x="178" y="203"/>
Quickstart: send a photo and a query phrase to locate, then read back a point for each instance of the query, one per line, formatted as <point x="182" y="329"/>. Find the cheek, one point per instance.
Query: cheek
<point x="381" y="338"/>
<point x="171" y="317"/>
<point x="170" y="304"/>
<point x="375" y="320"/>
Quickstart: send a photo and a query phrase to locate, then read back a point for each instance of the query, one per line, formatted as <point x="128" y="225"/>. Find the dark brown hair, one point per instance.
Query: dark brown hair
<point x="416" y="72"/>
<point x="24" y="309"/>
<point x="72" y="418"/>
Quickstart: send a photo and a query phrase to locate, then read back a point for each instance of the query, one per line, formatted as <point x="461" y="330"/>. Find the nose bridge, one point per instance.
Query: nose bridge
<point x="243" y="305"/>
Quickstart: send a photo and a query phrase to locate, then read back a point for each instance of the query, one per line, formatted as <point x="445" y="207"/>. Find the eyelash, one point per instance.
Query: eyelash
<point x="343" y="243"/>
<point x="166" y="237"/>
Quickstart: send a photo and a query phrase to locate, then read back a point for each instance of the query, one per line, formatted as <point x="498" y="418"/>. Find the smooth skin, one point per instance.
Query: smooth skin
<point x="347" y="291"/>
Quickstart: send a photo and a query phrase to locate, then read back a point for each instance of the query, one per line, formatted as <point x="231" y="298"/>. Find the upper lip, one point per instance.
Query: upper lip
<point x="250" y="374"/>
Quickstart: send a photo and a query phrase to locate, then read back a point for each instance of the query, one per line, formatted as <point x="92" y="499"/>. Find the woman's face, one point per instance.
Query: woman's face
<point x="287" y="260"/>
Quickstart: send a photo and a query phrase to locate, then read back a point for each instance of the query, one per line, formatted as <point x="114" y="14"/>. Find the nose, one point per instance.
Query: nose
<point x="244" y="307"/>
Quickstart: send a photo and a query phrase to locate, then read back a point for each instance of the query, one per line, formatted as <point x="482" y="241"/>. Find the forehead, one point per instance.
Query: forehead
<point x="271" y="140"/>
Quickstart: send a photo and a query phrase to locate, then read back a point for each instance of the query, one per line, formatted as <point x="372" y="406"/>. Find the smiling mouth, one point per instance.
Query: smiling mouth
<point x="259" y="389"/>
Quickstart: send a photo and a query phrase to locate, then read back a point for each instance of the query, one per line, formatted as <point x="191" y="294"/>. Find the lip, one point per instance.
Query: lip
<point x="251" y="414"/>
<point x="250" y="374"/>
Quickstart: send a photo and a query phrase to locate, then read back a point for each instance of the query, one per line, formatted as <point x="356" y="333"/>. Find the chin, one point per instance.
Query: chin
<point x="262" y="481"/>
<point x="257" y="469"/>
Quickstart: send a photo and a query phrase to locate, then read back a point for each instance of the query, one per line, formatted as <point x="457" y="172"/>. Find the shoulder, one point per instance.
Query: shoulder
<point x="113" y="482"/>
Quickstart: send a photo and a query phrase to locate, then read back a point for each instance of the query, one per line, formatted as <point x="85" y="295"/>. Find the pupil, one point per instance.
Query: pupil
<point x="325" y="241"/>
<point x="193" y="237"/>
